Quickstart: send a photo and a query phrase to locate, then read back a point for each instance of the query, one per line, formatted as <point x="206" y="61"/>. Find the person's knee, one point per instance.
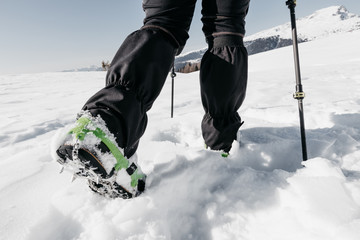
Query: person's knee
<point x="172" y="17"/>
<point x="222" y="17"/>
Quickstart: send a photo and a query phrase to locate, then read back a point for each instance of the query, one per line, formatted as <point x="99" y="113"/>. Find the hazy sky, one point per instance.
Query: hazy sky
<point x="54" y="35"/>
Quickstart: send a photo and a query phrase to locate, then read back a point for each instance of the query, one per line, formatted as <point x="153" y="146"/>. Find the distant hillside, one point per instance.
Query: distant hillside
<point x="320" y="24"/>
<point x="86" y="69"/>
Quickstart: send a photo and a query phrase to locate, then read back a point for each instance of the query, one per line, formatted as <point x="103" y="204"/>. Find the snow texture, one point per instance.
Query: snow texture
<point x="261" y="191"/>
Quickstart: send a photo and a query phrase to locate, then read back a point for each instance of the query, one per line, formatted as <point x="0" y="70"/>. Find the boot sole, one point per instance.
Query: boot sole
<point x="88" y="166"/>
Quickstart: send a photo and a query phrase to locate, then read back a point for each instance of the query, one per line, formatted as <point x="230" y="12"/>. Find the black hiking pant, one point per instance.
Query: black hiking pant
<point x="140" y="67"/>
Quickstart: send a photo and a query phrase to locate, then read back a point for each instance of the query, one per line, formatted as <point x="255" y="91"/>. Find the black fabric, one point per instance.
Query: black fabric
<point x="141" y="65"/>
<point x="224" y="17"/>
<point x="223" y="81"/>
<point x="134" y="80"/>
<point x="173" y="15"/>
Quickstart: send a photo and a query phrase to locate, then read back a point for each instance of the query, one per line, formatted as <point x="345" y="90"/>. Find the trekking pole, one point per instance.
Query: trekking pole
<point x="173" y="75"/>
<point x="299" y="94"/>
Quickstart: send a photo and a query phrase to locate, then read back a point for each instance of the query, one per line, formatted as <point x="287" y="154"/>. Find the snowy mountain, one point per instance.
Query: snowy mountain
<point x="91" y="68"/>
<point x="321" y="24"/>
<point x="261" y="191"/>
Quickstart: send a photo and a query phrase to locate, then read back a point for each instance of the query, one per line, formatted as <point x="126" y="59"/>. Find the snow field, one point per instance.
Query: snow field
<point x="261" y="191"/>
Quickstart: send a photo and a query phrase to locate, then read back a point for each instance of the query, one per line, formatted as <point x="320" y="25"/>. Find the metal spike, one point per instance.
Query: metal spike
<point x="61" y="169"/>
<point x="97" y="180"/>
<point x="74" y="176"/>
<point x="61" y="161"/>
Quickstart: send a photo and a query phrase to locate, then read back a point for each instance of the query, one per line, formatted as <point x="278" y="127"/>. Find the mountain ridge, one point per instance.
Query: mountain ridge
<point x="322" y="23"/>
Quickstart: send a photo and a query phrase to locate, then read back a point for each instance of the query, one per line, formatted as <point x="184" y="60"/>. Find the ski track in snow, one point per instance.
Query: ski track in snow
<point x="261" y="191"/>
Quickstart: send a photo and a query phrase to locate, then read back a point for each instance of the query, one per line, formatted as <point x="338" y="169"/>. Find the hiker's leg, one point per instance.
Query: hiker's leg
<point x="139" y="69"/>
<point x="223" y="72"/>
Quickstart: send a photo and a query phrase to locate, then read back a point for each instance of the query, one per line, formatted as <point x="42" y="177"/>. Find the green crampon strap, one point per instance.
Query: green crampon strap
<point x="223" y="154"/>
<point x="135" y="178"/>
<point x="80" y="131"/>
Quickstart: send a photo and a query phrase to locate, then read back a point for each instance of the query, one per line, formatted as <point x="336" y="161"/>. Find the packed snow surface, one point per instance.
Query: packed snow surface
<point x="261" y="191"/>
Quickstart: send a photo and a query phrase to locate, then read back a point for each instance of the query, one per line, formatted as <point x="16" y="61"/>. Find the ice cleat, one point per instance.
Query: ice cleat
<point x="91" y="152"/>
<point x="223" y="153"/>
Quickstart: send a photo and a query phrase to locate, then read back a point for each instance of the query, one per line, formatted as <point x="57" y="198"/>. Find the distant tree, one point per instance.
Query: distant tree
<point x="105" y="65"/>
<point x="190" y="67"/>
<point x="194" y="67"/>
<point x="187" y="68"/>
<point x="197" y="67"/>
